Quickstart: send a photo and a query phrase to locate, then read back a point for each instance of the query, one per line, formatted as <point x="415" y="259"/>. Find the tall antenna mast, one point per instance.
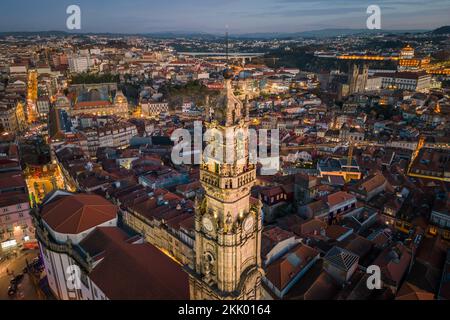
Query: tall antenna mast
<point x="226" y="45"/>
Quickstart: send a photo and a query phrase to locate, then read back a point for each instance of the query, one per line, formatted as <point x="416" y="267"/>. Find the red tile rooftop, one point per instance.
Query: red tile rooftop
<point x="282" y="271"/>
<point x="312" y="226"/>
<point x="76" y="213"/>
<point x="13" y="198"/>
<point x="357" y="245"/>
<point x="394" y="262"/>
<point x="323" y="288"/>
<point x="339" y="197"/>
<point x="277" y="234"/>
<point x="176" y="222"/>
<point x="134" y="270"/>
<point x="335" y="231"/>
<point x="6" y="163"/>
<point x="188" y="224"/>
<point x="11" y="180"/>
<point x="432" y="251"/>
<point x="189" y="186"/>
<point x="87" y="104"/>
<point x="409" y="291"/>
<point x="272" y="191"/>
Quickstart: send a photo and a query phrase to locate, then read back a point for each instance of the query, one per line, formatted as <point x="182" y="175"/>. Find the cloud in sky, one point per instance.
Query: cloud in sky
<point x="141" y="16"/>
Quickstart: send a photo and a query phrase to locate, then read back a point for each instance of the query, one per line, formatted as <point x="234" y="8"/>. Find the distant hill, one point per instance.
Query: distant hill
<point x="34" y="33"/>
<point x="323" y="33"/>
<point x="181" y="34"/>
<point x="163" y="35"/>
<point x="442" y="30"/>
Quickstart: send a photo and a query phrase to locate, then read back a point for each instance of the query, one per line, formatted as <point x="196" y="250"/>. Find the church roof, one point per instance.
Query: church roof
<point x="133" y="270"/>
<point x="76" y="213"/>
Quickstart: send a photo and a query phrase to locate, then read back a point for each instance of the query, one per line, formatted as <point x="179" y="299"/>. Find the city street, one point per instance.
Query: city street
<point x="27" y="290"/>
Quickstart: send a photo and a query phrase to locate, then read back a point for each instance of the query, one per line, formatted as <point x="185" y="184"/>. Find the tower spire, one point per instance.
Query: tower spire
<point x="226" y="46"/>
<point x="227" y="225"/>
<point x="228" y="72"/>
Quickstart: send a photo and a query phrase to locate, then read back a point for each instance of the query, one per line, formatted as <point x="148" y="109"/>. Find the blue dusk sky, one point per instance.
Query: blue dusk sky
<point x="211" y="16"/>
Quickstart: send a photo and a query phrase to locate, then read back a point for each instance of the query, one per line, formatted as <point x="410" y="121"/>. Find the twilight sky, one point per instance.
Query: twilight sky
<point x="242" y="16"/>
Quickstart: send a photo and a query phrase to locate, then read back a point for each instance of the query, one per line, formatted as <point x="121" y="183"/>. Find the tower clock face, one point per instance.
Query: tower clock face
<point x="248" y="224"/>
<point x="207" y="224"/>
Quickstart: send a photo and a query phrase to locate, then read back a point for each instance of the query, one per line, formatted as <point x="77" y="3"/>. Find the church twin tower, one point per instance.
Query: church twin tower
<point x="228" y="226"/>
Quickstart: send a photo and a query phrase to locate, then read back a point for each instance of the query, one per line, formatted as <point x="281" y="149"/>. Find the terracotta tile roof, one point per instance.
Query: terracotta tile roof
<point x="77" y="213"/>
<point x="379" y="238"/>
<point x="394" y="262"/>
<point x="85" y="104"/>
<point x="11" y="180"/>
<point x="277" y="234"/>
<point x="175" y="222"/>
<point x="12" y="198"/>
<point x="272" y="191"/>
<point x="311" y="226"/>
<point x="338" y="197"/>
<point x="96" y="242"/>
<point x="283" y="270"/>
<point x="144" y="207"/>
<point x="188" y="224"/>
<point x="323" y="288"/>
<point x="357" y="245"/>
<point x="370" y="183"/>
<point x="318" y="206"/>
<point x="7" y="163"/>
<point x="189" y="186"/>
<point x="271" y="237"/>
<point x="409" y="291"/>
<point x="432" y="251"/>
<point x="335" y="231"/>
<point x="134" y="271"/>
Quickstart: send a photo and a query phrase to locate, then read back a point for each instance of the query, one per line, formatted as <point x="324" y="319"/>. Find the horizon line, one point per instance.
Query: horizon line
<point x="217" y="33"/>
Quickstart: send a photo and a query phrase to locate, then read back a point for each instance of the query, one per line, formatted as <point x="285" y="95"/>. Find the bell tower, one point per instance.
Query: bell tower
<point x="227" y="225"/>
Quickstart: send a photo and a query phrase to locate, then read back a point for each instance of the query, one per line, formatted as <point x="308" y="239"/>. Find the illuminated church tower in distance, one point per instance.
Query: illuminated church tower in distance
<point x="228" y="226"/>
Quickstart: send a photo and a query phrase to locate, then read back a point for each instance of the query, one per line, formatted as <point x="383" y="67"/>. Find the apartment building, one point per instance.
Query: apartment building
<point x="79" y="64"/>
<point x="154" y="108"/>
<point x="12" y="117"/>
<point x="16" y="225"/>
<point x="165" y="219"/>
<point x="116" y="135"/>
<point x="412" y="81"/>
